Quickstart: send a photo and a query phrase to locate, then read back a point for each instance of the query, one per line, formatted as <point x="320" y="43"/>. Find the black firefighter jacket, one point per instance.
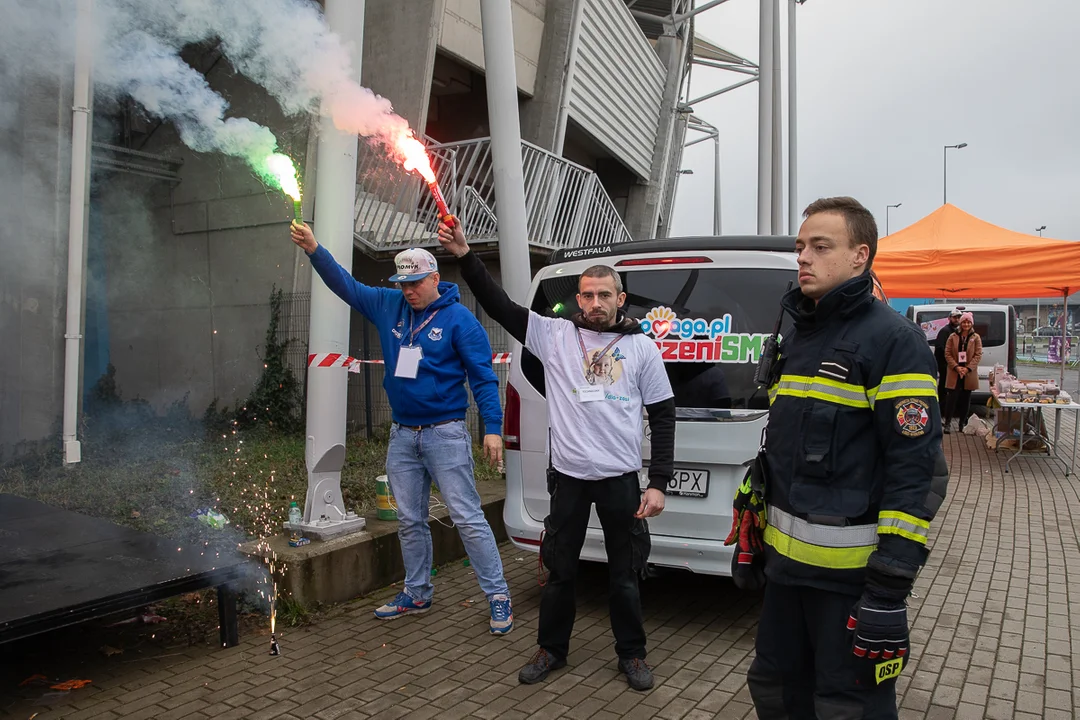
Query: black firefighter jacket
<point x="852" y="443"/>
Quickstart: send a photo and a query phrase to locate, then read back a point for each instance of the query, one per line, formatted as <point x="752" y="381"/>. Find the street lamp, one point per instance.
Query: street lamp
<point x="887" y="207"/>
<point x="1040" y="229"/>
<point x="945" y="170"/>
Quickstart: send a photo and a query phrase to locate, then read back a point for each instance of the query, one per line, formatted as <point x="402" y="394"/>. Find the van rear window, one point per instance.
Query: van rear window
<point x="709" y="323"/>
<point x="990" y="325"/>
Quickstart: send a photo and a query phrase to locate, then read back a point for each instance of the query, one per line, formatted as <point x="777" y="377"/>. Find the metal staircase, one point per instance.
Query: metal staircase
<point x="565" y="203"/>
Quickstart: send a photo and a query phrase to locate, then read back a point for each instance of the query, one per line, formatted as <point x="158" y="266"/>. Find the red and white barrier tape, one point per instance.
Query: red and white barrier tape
<point x="332" y="360"/>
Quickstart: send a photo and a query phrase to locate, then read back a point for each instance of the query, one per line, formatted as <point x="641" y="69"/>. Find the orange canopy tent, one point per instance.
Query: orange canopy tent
<point x="950" y="253"/>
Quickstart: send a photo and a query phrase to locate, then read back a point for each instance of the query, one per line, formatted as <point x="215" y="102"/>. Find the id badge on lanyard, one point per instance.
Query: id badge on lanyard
<point x="409" y="356"/>
<point x="408" y="362"/>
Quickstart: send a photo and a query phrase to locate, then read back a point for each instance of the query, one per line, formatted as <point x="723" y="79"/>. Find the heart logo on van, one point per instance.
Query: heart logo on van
<point x="660" y="328"/>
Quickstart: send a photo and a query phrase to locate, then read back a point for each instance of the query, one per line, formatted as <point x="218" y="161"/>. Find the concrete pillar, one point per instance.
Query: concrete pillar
<point x="645" y="199"/>
<point x="325" y="515"/>
<point x="501" y="79"/>
<point x="675" y="156"/>
<point x="540" y="114"/>
<point x="399" y="54"/>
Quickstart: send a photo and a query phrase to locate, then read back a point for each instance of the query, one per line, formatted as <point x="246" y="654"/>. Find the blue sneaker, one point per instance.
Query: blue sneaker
<point x="502" y="615"/>
<point x="401" y="605"/>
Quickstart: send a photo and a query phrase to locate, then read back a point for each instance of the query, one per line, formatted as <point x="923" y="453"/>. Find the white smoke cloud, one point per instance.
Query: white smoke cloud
<point x="141" y="66"/>
<point x="284" y="46"/>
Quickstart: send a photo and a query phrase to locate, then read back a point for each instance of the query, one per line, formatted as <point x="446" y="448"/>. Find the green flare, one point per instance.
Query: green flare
<point x="298" y="212"/>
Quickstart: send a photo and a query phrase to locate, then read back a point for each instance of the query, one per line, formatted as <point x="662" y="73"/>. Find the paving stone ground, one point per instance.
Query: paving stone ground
<point x="995" y="627"/>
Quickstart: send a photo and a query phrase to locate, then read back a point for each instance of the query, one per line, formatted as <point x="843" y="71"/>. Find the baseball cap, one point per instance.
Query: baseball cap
<point x="956" y="312"/>
<point x="414" y="264"/>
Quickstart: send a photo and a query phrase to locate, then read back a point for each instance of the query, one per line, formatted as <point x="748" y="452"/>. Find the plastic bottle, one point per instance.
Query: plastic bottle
<point x="295" y="518"/>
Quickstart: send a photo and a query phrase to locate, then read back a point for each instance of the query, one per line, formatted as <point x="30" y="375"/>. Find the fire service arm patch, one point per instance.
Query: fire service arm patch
<point x="912" y="417"/>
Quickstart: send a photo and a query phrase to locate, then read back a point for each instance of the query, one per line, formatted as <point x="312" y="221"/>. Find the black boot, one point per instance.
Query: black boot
<point x="538" y="668"/>
<point x="638" y="674"/>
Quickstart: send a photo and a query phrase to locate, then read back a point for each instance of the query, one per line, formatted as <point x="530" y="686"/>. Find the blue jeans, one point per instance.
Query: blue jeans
<point x="442" y="453"/>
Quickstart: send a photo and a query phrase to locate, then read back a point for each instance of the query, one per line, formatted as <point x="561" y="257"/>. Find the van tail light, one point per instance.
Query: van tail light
<point x="512" y="419"/>
<point x="678" y="260"/>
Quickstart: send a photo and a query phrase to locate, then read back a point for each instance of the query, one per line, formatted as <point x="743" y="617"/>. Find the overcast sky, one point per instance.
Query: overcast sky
<point x="882" y="87"/>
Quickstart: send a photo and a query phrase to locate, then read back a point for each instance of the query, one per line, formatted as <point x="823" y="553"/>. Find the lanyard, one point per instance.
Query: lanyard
<point x="964" y="342"/>
<point x="414" y="333"/>
<point x="598" y="358"/>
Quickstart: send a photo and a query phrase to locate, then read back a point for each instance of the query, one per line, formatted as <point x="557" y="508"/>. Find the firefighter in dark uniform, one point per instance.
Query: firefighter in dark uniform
<point x="854" y="476"/>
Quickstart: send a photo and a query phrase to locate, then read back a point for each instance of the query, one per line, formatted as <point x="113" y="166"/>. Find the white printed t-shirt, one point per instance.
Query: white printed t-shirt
<point x="602" y="438"/>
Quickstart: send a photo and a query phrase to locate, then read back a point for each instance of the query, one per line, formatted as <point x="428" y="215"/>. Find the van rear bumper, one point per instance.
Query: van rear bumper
<point x="707" y="557"/>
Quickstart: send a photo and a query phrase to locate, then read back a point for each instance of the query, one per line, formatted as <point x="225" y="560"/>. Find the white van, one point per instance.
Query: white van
<point x="709" y="303"/>
<point x="996" y="325"/>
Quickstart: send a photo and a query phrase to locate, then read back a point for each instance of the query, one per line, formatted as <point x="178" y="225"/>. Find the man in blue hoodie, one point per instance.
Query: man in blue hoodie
<point x="431" y="345"/>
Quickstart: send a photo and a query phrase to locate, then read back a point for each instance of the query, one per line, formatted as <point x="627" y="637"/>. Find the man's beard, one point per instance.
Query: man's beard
<point x="599" y="322"/>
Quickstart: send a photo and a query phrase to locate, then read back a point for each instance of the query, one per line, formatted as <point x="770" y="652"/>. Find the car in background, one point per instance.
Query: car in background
<point x="1048" y="331"/>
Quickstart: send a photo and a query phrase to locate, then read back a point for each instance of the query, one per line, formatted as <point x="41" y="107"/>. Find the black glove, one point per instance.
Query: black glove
<point x="879" y="629"/>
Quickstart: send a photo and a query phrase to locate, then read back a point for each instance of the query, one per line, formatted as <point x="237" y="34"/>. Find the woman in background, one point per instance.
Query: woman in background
<point x="963" y="352"/>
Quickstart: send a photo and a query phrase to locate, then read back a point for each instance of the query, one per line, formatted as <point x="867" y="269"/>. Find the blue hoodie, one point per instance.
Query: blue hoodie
<point x="455" y="349"/>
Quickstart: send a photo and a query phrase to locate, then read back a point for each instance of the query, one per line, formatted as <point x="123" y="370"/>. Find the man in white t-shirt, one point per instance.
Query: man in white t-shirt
<point x="600" y="371"/>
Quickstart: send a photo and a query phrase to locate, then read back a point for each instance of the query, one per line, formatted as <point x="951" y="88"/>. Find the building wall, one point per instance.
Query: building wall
<point x="399" y="52"/>
<point x="191" y="267"/>
<point x="460" y="35"/>
<point x="35" y="168"/>
<point x="618" y="85"/>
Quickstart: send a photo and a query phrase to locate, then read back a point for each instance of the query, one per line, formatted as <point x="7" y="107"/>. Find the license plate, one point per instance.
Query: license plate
<point x="689" y="483"/>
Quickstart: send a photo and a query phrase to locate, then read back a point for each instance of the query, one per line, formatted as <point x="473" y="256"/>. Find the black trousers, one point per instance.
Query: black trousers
<point x="804" y="667"/>
<point x="626" y="539"/>
<point x="957" y="405"/>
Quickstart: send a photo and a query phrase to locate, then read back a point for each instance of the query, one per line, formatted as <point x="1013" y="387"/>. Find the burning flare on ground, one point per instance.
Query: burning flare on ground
<point x="274" y="649"/>
<point x="283" y="172"/>
<point x="414" y="158"/>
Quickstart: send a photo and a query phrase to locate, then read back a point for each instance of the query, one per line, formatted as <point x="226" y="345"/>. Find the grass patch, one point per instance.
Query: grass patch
<point x="153" y="476"/>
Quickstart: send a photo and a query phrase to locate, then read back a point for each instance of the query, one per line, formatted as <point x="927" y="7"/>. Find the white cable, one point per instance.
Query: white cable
<point x="433" y="504"/>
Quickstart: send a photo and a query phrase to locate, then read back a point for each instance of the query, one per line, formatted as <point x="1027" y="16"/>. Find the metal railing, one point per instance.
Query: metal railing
<point x="566" y="206"/>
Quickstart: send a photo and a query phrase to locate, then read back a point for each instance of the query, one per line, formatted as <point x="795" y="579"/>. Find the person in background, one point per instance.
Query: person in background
<point x="963" y="351"/>
<point x="431" y="345"/>
<point x="939" y="353"/>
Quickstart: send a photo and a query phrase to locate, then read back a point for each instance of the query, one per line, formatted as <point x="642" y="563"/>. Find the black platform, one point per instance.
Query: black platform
<point x="59" y="568"/>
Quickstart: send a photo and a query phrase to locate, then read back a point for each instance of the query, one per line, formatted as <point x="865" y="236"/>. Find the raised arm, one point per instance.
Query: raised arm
<point x="363" y="298"/>
<point x="496" y="303"/>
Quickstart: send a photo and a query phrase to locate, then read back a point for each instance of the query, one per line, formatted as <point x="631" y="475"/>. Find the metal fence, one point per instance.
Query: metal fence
<point x="368" y="406"/>
<point x="566" y="205"/>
